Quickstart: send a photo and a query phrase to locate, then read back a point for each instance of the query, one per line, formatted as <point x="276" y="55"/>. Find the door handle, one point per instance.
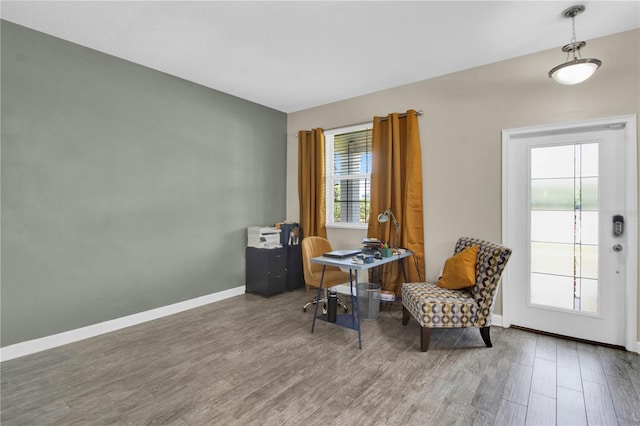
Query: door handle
<point x="617" y="247"/>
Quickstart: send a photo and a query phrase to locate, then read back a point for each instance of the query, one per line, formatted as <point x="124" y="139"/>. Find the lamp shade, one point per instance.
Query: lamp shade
<point x="574" y="72"/>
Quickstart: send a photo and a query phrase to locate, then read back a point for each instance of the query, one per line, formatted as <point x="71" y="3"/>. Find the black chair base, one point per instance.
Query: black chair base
<point x="324" y="306"/>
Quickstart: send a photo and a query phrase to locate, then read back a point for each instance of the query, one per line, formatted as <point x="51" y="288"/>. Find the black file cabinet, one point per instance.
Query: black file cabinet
<point x="266" y="270"/>
<point x="295" y="275"/>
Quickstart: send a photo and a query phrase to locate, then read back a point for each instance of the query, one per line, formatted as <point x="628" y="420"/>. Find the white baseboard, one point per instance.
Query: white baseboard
<point x="48" y="342"/>
<point x="496" y="320"/>
<point x="32" y="346"/>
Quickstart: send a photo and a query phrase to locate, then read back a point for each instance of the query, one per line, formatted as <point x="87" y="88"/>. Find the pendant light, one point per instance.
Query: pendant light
<point x="577" y="69"/>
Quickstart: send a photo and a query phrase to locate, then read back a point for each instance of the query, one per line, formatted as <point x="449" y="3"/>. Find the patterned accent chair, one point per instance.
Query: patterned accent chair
<point x="436" y="307"/>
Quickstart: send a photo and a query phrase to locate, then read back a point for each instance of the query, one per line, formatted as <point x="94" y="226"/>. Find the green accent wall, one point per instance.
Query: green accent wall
<point x="123" y="188"/>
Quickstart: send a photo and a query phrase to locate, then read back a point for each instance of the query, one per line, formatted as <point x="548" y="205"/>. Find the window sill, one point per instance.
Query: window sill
<point x="364" y="226"/>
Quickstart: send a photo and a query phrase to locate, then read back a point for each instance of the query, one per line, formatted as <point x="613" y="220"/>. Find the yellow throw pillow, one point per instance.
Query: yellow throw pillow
<point x="460" y="270"/>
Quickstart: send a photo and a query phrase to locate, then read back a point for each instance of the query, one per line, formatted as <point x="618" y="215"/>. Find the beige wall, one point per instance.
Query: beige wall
<point x="460" y="130"/>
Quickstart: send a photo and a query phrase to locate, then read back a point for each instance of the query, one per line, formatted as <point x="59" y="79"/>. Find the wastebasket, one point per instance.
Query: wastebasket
<point x="369" y="295"/>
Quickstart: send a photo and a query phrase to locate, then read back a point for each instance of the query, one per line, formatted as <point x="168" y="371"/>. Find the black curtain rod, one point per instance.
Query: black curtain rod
<point x="403" y="115"/>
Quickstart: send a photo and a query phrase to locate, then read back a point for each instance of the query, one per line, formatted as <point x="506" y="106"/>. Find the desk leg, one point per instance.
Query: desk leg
<point x="353" y="300"/>
<point x="404" y="272"/>
<point x="315" y="312"/>
<point x="357" y="305"/>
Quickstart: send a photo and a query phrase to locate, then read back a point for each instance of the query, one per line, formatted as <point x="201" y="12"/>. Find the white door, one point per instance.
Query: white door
<point x="568" y="272"/>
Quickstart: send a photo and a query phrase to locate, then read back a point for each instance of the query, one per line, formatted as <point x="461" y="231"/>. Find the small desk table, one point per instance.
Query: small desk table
<point x="352" y="320"/>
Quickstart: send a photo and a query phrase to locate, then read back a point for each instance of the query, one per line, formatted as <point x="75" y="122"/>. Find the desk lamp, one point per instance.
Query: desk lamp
<point x="384" y="217"/>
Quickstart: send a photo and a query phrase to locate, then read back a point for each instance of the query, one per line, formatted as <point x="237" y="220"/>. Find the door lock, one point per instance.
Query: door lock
<point x="617" y="247"/>
<point x="618" y="225"/>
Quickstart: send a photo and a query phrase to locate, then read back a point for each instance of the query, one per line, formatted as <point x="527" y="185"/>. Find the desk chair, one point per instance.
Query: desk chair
<point x="314" y="247"/>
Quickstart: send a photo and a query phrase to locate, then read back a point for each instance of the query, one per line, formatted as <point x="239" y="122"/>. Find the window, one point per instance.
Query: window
<point x="348" y="173"/>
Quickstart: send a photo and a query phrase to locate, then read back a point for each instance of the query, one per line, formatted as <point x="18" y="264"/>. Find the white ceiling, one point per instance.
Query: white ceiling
<point x="296" y="55"/>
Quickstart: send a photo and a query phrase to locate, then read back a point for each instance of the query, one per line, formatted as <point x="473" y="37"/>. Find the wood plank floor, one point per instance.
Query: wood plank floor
<point x="251" y="360"/>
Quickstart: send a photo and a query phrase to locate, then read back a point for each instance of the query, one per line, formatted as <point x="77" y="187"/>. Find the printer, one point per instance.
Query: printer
<point x="263" y="237"/>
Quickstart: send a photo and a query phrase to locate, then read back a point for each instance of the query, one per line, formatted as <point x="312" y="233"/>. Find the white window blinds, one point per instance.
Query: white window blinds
<point x="349" y="183"/>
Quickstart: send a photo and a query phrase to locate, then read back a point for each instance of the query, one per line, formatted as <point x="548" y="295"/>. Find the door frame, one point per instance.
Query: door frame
<point x="631" y="216"/>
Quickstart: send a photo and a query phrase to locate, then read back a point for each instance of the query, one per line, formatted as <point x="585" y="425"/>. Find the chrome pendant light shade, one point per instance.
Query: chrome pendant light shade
<point x="577" y="69"/>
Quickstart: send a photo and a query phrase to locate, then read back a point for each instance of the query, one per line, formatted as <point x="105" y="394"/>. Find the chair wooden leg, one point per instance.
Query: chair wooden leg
<point x="405" y="316"/>
<point x="484" y="332"/>
<point x="425" y="335"/>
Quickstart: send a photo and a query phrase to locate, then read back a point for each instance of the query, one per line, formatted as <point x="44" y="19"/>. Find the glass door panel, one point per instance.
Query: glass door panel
<point x="552" y="226"/>
<point x="555" y="291"/>
<point x="564" y="227"/>
<point x="552" y="258"/>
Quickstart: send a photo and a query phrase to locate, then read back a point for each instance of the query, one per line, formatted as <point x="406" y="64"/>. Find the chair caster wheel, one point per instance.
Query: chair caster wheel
<point x="346" y="309"/>
<point x="304" y="309"/>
